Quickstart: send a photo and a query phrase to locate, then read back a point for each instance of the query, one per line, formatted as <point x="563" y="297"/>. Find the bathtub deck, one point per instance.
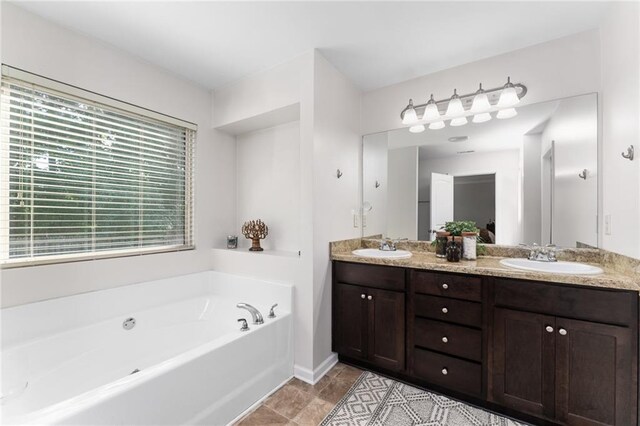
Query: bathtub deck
<point x="299" y="403"/>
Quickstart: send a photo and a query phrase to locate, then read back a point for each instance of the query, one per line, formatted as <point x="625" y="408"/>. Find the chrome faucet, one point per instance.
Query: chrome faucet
<point x="390" y="245"/>
<point x="255" y="314"/>
<point x="543" y="254"/>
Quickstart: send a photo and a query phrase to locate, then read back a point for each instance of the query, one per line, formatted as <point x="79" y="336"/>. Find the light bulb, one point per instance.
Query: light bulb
<point x="409" y="116"/>
<point x="455" y="108"/>
<point x="419" y="128"/>
<point x="460" y="121"/>
<point x="482" y="117"/>
<point x="480" y="102"/>
<point x="509" y="96"/>
<point x="436" y="125"/>
<point x="431" y="110"/>
<point x="506" y="113"/>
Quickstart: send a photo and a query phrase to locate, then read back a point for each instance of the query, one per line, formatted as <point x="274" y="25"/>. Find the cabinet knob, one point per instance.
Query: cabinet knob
<point x="362" y="296"/>
<point x="562" y="332"/>
<point x="445" y="286"/>
<point x="445" y="339"/>
<point x="370" y="297"/>
<point x="549" y="329"/>
<point x="445" y="310"/>
<point x="445" y="371"/>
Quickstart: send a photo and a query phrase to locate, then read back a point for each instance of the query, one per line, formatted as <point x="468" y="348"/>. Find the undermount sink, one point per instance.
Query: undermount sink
<point x="382" y="254"/>
<point x="570" y="268"/>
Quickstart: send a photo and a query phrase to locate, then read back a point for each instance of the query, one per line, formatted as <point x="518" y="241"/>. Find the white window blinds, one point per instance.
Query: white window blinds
<point x="82" y="178"/>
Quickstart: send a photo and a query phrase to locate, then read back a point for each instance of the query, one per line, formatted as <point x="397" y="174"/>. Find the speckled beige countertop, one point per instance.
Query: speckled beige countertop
<point x="619" y="272"/>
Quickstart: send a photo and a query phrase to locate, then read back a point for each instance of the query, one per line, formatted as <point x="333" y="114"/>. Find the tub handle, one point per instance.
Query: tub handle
<point x="245" y="325"/>
<point x="271" y="313"/>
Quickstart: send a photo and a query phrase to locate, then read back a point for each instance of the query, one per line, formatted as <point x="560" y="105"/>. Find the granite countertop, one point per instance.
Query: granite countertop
<point x="613" y="276"/>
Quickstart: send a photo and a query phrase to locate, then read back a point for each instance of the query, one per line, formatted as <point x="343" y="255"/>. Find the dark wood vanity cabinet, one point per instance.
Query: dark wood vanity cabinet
<point x="561" y="354"/>
<point x="369" y="316"/>
<point x="559" y="359"/>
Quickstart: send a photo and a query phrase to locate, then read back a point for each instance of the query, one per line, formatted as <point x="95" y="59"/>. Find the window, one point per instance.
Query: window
<point x="85" y="176"/>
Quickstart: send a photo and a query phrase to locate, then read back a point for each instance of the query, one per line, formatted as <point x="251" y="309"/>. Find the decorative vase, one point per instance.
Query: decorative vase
<point x="255" y="230"/>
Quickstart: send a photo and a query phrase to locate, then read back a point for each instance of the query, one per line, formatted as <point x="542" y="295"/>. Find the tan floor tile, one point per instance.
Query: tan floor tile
<point x="335" y="390"/>
<point x="313" y="414"/>
<point x="349" y="374"/>
<point x="311" y="389"/>
<point x="263" y="416"/>
<point x="335" y="370"/>
<point x="288" y="401"/>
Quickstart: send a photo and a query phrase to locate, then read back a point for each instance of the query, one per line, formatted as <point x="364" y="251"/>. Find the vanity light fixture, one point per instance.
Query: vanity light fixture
<point x="457" y="108"/>
<point x="409" y="115"/>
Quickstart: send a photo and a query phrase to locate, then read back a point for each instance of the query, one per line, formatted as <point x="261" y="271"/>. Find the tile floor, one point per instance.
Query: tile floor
<point x="299" y="403"/>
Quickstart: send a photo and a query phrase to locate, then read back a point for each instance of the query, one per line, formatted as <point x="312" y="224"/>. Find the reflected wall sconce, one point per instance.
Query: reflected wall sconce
<point x="457" y="108"/>
<point x="629" y="154"/>
<point x="583" y="175"/>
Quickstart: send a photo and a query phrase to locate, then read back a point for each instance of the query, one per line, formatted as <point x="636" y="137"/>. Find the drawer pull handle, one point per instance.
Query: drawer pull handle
<point x="362" y="296"/>
<point x="445" y="310"/>
<point x="549" y="329"/>
<point x="370" y="297"/>
<point x="445" y="371"/>
<point x="445" y="339"/>
<point x="562" y="332"/>
<point x="445" y="286"/>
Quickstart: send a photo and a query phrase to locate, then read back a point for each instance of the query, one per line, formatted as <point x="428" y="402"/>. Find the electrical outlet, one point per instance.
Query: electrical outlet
<point x="607" y="224"/>
<point x="355" y="220"/>
<point x="364" y="221"/>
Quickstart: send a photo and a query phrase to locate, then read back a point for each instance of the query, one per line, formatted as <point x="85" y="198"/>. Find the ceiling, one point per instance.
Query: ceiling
<point x="374" y="43"/>
<point x="491" y="136"/>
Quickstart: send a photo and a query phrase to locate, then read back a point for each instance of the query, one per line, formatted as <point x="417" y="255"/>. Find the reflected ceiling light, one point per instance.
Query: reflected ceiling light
<point x="483" y="103"/>
<point x="507" y="113"/>
<point x="436" y="125"/>
<point x="431" y="112"/>
<point x="509" y="96"/>
<point x="460" y="121"/>
<point x="455" y="108"/>
<point x="419" y="128"/>
<point x="409" y="115"/>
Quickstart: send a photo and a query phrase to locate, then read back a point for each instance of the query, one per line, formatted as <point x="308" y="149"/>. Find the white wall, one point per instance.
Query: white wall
<point x="336" y="145"/>
<point x="573" y="129"/>
<point x="268" y="184"/>
<point x="375" y="165"/>
<point x="38" y="46"/>
<point x="402" y="194"/>
<point x="531" y="189"/>
<point x="506" y="166"/>
<point x="620" y="112"/>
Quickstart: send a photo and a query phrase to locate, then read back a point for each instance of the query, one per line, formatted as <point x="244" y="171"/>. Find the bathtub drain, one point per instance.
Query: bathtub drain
<point x="129" y="323"/>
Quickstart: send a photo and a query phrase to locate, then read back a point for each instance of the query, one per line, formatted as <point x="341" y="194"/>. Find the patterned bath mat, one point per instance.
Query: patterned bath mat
<point x="379" y="401"/>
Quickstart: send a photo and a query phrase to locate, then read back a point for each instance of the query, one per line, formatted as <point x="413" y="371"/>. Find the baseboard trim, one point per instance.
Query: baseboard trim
<point x="313" y="377"/>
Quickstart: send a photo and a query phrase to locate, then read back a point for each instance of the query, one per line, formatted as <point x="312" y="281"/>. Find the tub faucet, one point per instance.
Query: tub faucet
<point x="255" y="314"/>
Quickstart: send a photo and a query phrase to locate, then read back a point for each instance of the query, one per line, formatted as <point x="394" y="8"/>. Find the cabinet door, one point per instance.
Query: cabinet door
<point x="594" y="374"/>
<point x="351" y="320"/>
<point x="523" y="362"/>
<point x="386" y="328"/>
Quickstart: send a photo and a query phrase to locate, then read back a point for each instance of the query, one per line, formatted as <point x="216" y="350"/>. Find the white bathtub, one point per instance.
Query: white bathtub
<point x="69" y="360"/>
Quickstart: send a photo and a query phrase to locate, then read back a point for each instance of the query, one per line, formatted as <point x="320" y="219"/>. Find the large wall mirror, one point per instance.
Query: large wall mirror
<point x="528" y="179"/>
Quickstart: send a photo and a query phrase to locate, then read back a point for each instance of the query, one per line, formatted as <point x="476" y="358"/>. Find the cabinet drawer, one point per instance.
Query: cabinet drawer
<point x="462" y="376"/>
<point x="607" y="306"/>
<point x="384" y="277"/>
<point x="450" y="310"/>
<point x="449" y="338"/>
<point x="448" y="285"/>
